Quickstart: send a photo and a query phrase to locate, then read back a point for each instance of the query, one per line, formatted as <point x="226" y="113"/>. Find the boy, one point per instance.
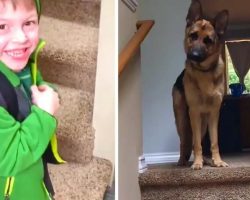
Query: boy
<point x="25" y="137"/>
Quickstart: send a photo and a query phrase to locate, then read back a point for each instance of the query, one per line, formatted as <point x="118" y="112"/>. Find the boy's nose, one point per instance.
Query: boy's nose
<point x="19" y="36"/>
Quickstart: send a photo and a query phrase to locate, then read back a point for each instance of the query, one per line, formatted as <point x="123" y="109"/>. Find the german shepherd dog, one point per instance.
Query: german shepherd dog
<point x="199" y="89"/>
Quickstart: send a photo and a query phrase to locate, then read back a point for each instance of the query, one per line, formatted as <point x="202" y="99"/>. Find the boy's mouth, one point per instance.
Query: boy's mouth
<point x="17" y="53"/>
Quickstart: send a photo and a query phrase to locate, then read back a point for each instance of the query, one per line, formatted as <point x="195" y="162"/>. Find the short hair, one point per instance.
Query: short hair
<point x="27" y="3"/>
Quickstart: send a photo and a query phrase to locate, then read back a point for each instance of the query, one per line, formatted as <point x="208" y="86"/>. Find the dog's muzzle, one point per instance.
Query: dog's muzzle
<point x="197" y="55"/>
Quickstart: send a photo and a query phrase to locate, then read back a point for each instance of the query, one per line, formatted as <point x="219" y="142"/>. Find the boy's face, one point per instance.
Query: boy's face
<point x="18" y="34"/>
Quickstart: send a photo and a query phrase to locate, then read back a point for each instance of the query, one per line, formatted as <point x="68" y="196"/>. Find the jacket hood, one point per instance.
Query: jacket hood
<point x="38" y="7"/>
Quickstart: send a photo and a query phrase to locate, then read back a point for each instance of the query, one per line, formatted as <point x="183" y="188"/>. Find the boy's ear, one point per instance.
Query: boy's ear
<point x="221" y="22"/>
<point x="194" y="12"/>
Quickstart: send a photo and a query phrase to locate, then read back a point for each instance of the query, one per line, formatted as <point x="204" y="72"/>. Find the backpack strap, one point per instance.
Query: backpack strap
<point x="9" y="95"/>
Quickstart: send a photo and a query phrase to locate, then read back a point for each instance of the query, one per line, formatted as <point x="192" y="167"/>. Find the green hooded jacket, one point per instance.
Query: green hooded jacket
<point x="23" y="144"/>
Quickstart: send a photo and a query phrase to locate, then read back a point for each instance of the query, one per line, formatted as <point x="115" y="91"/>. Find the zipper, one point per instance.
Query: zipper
<point x="8" y="187"/>
<point x="47" y="192"/>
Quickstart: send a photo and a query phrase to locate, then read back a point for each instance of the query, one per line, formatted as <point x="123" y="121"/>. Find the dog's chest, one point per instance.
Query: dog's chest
<point x="204" y="88"/>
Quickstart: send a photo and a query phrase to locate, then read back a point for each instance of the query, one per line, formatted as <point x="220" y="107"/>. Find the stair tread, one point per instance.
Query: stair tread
<point x="172" y="175"/>
<point x="78" y="11"/>
<point x="75" y="133"/>
<point x="76" y="105"/>
<point x="68" y="42"/>
<point x="215" y="192"/>
<point x="70" y="56"/>
<point x="74" y="181"/>
<point x="76" y="143"/>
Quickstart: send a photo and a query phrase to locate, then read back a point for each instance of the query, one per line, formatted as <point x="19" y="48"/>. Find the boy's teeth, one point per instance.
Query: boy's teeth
<point x="16" y="53"/>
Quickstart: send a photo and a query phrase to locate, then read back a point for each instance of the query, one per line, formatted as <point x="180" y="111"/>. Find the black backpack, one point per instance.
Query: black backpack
<point x="9" y="101"/>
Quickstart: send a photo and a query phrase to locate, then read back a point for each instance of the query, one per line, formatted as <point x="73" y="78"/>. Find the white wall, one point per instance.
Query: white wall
<point x="130" y="127"/>
<point x="162" y="61"/>
<point x="104" y="104"/>
<point x="130" y="131"/>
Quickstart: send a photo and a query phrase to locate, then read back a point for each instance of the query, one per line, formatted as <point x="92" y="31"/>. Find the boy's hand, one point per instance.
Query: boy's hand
<point x="45" y="98"/>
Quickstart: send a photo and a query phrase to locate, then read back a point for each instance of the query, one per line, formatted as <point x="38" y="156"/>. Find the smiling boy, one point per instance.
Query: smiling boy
<point x="25" y="137"/>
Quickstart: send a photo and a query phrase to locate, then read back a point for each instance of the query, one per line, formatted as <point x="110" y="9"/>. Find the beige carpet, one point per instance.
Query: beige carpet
<point x="182" y="183"/>
<point x="70" y="29"/>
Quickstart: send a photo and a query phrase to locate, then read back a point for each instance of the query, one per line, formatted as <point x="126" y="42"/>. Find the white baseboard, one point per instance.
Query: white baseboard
<point x="161" y="158"/>
<point x="142" y="164"/>
<point x="156" y="158"/>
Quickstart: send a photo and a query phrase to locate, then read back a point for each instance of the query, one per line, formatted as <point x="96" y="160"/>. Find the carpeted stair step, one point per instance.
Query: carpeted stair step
<point x="85" y="12"/>
<point x="70" y="29"/>
<point x="240" y="191"/>
<point x="77" y="143"/>
<point x="165" y="181"/>
<point x="76" y="105"/>
<point x="74" y="181"/>
<point x="69" y="58"/>
<point x="75" y="133"/>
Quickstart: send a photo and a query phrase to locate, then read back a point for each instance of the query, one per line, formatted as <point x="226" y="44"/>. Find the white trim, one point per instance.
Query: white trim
<point x="132" y="4"/>
<point x="142" y="164"/>
<point x="160" y="158"/>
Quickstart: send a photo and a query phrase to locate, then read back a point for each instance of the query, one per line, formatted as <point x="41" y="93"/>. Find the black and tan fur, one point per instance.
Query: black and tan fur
<point x="199" y="90"/>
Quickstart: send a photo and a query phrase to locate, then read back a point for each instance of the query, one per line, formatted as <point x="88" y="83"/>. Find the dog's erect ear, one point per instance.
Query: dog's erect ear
<point x="221" y="22"/>
<point x="194" y="12"/>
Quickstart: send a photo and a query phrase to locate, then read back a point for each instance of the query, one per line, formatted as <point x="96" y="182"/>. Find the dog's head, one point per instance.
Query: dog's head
<point x="203" y="37"/>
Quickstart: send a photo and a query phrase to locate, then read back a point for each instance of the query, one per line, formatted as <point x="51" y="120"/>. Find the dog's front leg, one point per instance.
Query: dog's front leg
<point x="195" y="119"/>
<point x="213" y="134"/>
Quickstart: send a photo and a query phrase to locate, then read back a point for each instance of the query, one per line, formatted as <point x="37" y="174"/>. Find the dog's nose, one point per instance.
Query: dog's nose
<point x="197" y="55"/>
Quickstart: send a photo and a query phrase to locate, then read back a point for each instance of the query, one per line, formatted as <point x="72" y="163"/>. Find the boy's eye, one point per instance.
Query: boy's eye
<point x="28" y="23"/>
<point x="2" y="26"/>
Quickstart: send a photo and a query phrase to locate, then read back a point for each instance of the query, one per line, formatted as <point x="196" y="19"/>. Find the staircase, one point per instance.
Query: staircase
<point x="70" y="29"/>
<point x="168" y="181"/>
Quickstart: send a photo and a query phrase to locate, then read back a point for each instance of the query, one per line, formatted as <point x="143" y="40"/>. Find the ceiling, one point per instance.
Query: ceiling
<point x="239" y="10"/>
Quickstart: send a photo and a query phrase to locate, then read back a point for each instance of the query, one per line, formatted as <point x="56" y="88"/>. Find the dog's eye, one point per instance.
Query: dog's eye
<point x="193" y="36"/>
<point x="208" y="40"/>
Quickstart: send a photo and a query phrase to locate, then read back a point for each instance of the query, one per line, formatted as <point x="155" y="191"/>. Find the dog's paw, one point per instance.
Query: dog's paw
<point x="219" y="163"/>
<point x="197" y="165"/>
<point x="182" y="162"/>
